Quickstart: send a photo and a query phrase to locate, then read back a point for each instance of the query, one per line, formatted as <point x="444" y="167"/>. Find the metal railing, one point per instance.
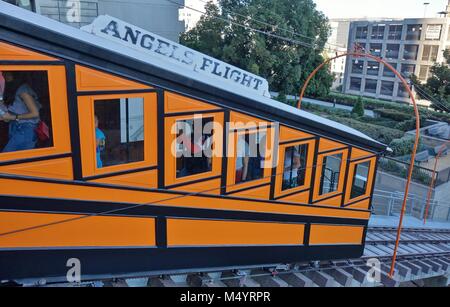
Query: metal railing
<point x="390" y="204"/>
<point x="72" y="12"/>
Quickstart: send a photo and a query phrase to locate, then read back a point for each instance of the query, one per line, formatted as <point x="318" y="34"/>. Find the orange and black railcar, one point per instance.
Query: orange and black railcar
<point x="105" y="187"/>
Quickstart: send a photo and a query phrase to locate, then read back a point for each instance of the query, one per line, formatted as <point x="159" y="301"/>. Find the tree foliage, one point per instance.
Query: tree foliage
<point x="358" y="109"/>
<point x="285" y="64"/>
<point x="437" y="86"/>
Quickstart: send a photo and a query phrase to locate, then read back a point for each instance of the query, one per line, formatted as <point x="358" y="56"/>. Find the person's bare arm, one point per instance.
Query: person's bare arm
<point x="33" y="111"/>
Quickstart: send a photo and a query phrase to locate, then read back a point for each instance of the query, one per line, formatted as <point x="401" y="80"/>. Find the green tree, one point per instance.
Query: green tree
<point x="358" y="108"/>
<point x="285" y="64"/>
<point x="438" y="85"/>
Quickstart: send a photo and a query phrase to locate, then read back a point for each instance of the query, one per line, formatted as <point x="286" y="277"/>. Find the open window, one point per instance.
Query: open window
<point x="33" y="111"/>
<point x="250" y="157"/>
<point x="330" y="172"/>
<point x="118" y="132"/>
<point x="360" y="180"/>
<point x="193" y="147"/>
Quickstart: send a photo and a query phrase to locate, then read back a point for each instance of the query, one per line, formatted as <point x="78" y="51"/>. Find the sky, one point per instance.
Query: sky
<point x="380" y="8"/>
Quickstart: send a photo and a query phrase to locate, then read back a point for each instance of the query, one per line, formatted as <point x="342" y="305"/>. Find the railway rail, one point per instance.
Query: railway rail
<point x="423" y="254"/>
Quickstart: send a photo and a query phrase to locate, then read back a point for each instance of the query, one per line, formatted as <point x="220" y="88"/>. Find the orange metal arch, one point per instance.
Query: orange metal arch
<point x="416" y="141"/>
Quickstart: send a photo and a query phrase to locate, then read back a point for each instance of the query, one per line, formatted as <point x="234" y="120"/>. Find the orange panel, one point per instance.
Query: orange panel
<point x="289" y="134"/>
<point x="70" y="191"/>
<point x="358" y="153"/>
<point x="93" y="231"/>
<point x="334" y="202"/>
<point x="177" y="103"/>
<point x="59" y="111"/>
<point x="94" y="80"/>
<point x="12" y="53"/>
<point x="300" y="198"/>
<point x="147" y="179"/>
<point x="330" y="234"/>
<point x="205" y="187"/>
<point x="258" y="193"/>
<point x="56" y="169"/>
<point x="240" y="121"/>
<point x="204" y="232"/>
<point x="363" y="205"/>
<point x="326" y="145"/>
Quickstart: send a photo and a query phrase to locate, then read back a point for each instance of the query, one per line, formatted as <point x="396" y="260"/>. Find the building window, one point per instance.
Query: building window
<point x="24" y="107"/>
<point x="371" y="86"/>
<point x="413" y="32"/>
<point x="357" y="67"/>
<point x="25" y="4"/>
<point x="395" y="32"/>
<point x="387" y="72"/>
<point x="430" y="53"/>
<point x="355" y="84"/>
<point x="361" y="32"/>
<point x="387" y="88"/>
<point x="402" y="92"/>
<point x="360" y="179"/>
<point x="375" y="49"/>
<point x="250" y="157"/>
<point x="392" y="51"/>
<point x="329" y="181"/>
<point x="423" y="72"/>
<point x="377" y="32"/>
<point x="407" y="70"/>
<point x="433" y="33"/>
<point x="119" y="131"/>
<point x="410" y="52"/>
<point x="373" y="68"/>
<point x="192" y="145"/>
<point x="294" y="172"/>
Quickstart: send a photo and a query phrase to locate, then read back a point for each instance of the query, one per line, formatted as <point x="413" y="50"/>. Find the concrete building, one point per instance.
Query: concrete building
<point x="158" y="16"/>
<point x="412" y="46"/>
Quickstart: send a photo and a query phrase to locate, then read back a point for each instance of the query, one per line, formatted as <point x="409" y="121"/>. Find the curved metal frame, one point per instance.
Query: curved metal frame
<point x="416" y="141"/>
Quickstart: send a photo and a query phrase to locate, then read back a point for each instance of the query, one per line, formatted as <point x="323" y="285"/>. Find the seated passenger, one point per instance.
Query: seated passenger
<point x="291" y="168"/>
<point x="21" y="111"/>
<point x="100" y="143"/>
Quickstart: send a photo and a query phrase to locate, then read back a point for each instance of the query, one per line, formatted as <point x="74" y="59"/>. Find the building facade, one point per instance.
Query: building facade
<point x="158" y="16"/>
<point x="411" y="46"/>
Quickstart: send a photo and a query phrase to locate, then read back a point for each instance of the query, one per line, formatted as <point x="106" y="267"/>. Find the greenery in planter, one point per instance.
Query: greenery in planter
<point x="404" y="146"/>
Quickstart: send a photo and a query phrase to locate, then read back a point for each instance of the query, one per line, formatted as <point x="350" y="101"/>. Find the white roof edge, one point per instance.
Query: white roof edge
<point x="58" y="27"/>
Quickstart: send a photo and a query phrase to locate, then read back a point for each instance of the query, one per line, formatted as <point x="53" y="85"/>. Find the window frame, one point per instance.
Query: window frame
<point x="57" y="90"/>
<point x="279" y="192"/>
<point x="231" y="157"/>
<point x="170" y="161"/>
<point x="351" y="176"/>
<point x="318" y="177"/>
<point x="86" y="109"/>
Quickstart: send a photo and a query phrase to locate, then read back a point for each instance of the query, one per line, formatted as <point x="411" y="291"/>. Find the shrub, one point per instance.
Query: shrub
<point x="358" y="108"/>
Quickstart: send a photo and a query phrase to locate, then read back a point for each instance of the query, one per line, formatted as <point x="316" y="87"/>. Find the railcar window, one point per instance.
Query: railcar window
<point x="25" y="117"/>
<point x="330" y="173"/>
<point x="194" y="146"/>
<point x="250" y="155"/>
<point x="294" y="166"/>
<point x="360" y="177"/>
<point x="119" y="131"/>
